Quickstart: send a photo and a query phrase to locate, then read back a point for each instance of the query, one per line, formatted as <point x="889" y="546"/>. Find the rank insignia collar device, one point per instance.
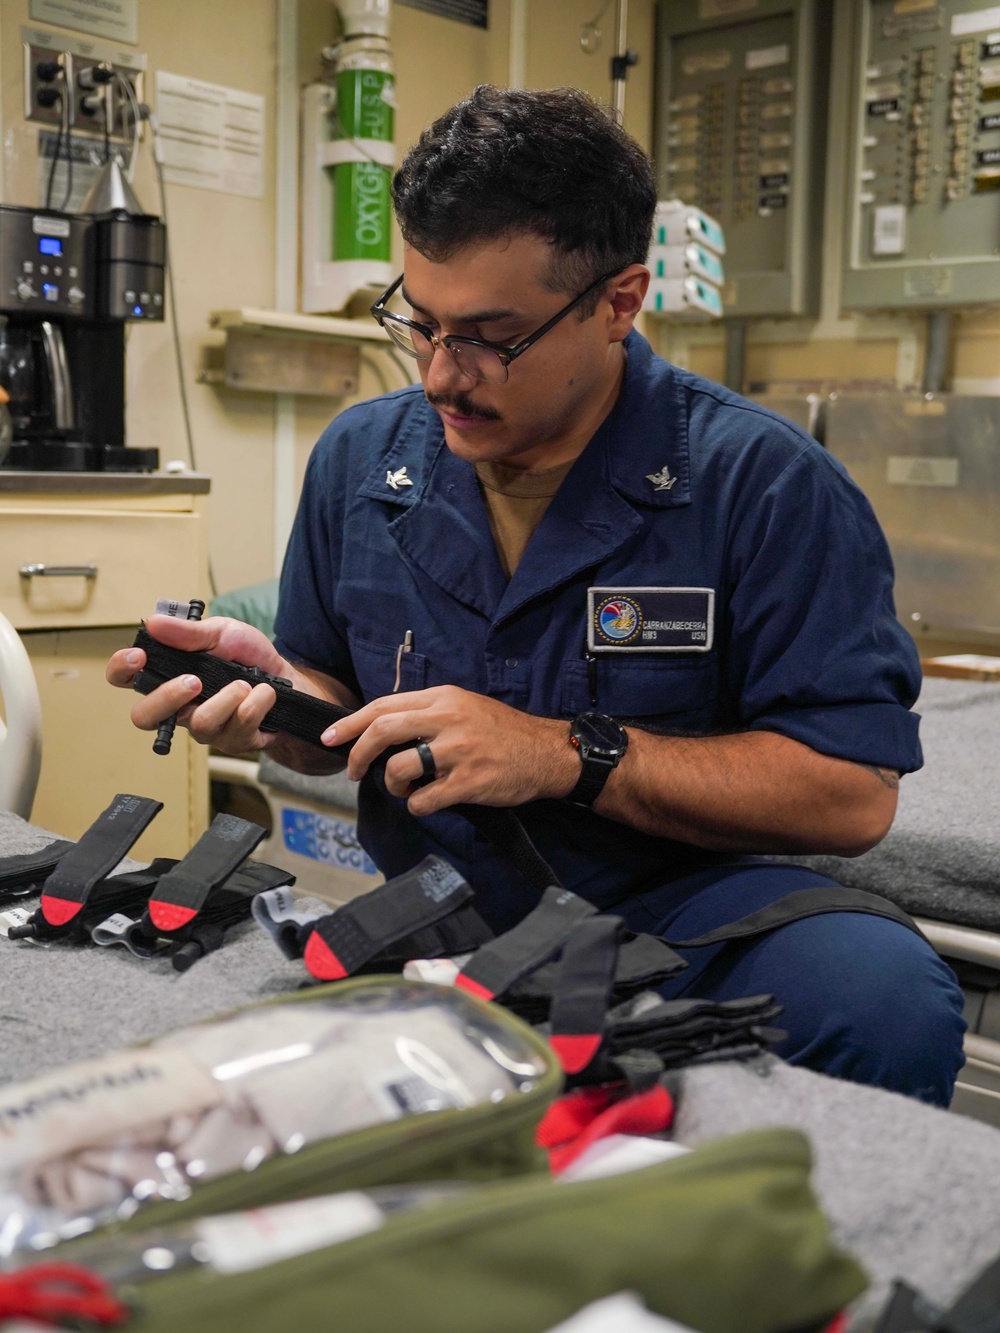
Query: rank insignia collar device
<point x="662" y="480"/>
<point x="397" y="479"/>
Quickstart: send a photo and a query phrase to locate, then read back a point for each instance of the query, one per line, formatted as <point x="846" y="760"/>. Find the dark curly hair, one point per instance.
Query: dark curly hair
<point x="551" y="163"/>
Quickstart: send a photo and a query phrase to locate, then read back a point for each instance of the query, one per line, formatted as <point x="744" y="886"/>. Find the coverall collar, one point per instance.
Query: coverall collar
<point x="442" y="523"/>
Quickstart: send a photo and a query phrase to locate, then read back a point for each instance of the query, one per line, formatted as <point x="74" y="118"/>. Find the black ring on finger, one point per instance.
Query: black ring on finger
<point x="427" y="761"/>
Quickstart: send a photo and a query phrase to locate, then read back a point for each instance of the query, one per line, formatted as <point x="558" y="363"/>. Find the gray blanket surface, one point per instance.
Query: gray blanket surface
<point x="941" y="858"/>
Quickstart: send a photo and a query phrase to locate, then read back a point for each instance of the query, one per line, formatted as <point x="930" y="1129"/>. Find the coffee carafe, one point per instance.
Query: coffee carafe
<point x="34" y="370"/>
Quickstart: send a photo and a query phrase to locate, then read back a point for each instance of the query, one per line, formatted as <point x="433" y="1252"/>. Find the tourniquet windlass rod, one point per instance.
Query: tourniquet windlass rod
<point x="165" y="731"/>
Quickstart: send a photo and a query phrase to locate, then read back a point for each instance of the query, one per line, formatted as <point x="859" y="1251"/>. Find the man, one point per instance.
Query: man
<point x="560" y="525"/>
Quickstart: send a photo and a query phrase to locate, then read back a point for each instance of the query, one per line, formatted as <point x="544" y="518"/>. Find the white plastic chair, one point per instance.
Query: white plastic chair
<point x="21" y="737"/>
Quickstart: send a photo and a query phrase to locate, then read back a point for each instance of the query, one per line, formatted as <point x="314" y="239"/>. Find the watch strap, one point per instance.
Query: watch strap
<point x="591" y="781"/>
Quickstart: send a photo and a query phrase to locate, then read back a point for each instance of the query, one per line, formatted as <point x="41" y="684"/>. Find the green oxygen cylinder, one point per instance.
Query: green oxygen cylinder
<point x="364" y="123"/>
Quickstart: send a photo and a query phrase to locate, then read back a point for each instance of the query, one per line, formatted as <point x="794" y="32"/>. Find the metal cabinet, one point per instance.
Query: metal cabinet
<point x="83" y="558"/>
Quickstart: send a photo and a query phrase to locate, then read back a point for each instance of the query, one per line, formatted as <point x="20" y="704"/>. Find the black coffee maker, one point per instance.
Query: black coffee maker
<point x="69" y="283"/>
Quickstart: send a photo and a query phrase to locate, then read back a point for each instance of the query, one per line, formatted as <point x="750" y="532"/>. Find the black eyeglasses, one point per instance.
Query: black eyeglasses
<point x="480" y="360"/>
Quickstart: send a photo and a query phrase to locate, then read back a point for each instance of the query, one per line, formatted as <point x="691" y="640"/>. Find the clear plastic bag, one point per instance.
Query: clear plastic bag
<point x="242" y="1242"/>
<point x="93" y="1142"/>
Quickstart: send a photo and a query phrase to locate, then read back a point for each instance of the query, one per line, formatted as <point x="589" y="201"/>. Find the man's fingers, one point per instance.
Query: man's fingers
<point x="403" y="770"/>
<point x="232" y="640"/>
<point x="389" y="705"/>
<point x="232" y="715"/>
<point x="191" y="635"/>
<point x="385" y="731"/>
<point x="437" y="795"/>
<point x="124" y="666"/>
<point x="149" y="710"/>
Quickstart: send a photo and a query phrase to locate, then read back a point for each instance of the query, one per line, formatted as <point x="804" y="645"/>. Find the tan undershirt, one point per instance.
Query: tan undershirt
<point x="515" y="502"/>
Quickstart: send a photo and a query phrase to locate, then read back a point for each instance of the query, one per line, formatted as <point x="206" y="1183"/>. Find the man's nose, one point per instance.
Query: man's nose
<point x="444" y="373"/>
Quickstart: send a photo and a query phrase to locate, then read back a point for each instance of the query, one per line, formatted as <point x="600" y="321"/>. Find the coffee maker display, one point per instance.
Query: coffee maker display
<point x="69" y="283"/>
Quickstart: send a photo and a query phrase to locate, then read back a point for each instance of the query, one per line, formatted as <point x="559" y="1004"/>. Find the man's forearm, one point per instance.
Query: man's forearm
<point x="755" y="792"/>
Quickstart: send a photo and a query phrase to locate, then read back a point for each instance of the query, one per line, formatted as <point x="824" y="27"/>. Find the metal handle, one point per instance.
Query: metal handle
<point x="58" y="571"/>
<point x="62" y="387"/>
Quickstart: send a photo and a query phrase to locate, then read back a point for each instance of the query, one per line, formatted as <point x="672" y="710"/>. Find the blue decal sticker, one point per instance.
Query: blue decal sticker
<point x="323" y="838"/>
<point x="650" y="620"/>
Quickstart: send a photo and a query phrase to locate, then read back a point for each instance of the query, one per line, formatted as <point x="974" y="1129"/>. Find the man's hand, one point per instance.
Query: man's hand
<point x="230" y="720"/>
<point x="484" y="751"/>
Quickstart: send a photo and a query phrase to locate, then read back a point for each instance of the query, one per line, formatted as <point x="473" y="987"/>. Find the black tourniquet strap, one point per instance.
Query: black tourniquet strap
<point x="182" y="892"/>
<point x="497" y="966"/>
<point x="229" y="903"/>
<point x="354" y="934"/>
<point x="94" y="856"/>
<point x="115" y="894"/>
<point x="796" y="907"/>
<point x="295" y="713"/>
<point x="976" y="1310"/>
<point x="583" y="989"/>
<point x="509" y="836"/>
<point x="644" y="963"/>
<point x="21" y="873"/>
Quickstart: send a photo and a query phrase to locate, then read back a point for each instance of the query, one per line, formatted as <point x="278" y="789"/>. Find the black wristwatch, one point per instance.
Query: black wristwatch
<point x="601" y="742"/>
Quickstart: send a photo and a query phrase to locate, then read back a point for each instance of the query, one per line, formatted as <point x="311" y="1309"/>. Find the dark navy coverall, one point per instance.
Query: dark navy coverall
<point x="685" y="486"/>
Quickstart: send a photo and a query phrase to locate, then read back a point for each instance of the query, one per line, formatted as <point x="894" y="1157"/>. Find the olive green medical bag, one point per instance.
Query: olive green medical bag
<point x="725" y="1239"/>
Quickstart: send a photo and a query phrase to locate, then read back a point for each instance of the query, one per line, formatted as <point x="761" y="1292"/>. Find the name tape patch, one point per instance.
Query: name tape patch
<point x="650" y="620"/>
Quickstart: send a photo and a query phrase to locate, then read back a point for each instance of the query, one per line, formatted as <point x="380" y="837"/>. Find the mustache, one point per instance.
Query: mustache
<point x="461" y="405"/>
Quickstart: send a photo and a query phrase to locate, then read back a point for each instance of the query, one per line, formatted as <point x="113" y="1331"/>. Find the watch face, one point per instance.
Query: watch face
<point x="598" y="734"/>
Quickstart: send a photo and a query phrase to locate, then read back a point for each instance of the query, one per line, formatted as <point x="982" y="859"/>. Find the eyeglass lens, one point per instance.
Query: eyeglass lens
<point x="479" y="362"/>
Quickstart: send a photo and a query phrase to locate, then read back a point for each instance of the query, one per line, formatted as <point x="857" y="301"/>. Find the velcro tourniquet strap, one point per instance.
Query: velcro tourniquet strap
<point x="25" y="871"/>
<point x="672" y="1033"/>
<point x="97" y="853"/>
<point x="229" y="903"/>
<point x="638" y="1040"/>
<point x="183" y="891"/>
<point x="644" y="963"/>
<point x="583" y="990"/>
<point x="503" y="829"/>
<point x="497" y="966"/>
<point x="294" y="712"/>
<point x="343" y="942"/>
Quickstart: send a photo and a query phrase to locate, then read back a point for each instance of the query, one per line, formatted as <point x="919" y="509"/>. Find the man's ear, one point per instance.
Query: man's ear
<point x="625" y="298"/>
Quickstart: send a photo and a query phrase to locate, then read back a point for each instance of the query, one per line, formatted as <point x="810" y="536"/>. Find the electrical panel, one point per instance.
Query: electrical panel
<point x="923" y="222"/>
<point x="99" y="82"/>
<point x="740" y="110"/>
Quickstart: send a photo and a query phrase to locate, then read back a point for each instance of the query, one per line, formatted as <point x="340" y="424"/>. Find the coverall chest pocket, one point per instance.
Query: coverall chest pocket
<point x="676" y="695"/>
<point x="376" y="664"/>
